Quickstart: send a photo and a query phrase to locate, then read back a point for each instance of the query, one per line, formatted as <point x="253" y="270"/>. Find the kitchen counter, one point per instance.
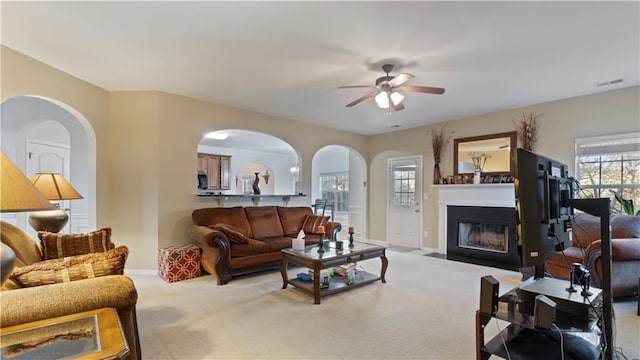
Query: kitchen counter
<point x="221" y="197"/>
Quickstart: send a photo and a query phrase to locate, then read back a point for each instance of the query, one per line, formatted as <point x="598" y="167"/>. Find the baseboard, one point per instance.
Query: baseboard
<point x="140" y="272"/>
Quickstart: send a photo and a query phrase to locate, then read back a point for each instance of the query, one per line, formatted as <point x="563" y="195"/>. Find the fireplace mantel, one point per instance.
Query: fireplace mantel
<point x="493" y="195"/>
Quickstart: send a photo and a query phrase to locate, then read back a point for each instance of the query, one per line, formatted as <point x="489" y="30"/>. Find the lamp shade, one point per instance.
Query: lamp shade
<point x="17" y="193"/>
<point x="55" y="186"/>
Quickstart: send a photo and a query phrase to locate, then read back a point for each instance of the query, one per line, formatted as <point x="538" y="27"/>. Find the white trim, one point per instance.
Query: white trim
<point x="489" y="195"/>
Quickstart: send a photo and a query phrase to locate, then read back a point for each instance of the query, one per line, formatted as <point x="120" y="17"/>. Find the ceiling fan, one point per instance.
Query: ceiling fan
<point x="386" y="90"/>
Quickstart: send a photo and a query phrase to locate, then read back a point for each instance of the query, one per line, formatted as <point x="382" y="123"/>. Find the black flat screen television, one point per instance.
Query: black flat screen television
<point x="542" y="190"/>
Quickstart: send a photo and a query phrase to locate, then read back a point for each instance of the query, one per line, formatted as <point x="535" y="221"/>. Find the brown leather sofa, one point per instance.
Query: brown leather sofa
<point x="24" y="305"/>
<point x="263" y="232"/>
<point x="586" y="249"/>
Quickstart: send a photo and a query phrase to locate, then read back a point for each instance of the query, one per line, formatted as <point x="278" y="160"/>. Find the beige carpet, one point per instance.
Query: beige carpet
<point x="424" y="311"/>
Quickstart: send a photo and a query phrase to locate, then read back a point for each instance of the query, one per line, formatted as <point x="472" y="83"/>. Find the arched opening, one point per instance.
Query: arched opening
<point x="248" y="152"/>
<point x="339" y="176"/>
<point x="29" y="122"/>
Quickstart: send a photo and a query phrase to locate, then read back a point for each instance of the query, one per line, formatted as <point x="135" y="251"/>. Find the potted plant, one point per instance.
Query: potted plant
<point x="626" y="205"/>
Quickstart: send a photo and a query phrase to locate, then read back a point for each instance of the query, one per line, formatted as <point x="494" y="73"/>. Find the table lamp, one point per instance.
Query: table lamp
<point x="17" y="194"/>
<point x="55" y="188"/>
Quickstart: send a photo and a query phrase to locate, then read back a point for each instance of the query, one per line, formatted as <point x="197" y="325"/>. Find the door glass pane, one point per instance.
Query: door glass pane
<point x="404" y="185"/>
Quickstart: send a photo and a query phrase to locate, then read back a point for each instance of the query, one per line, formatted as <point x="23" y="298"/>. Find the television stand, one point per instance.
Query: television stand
<point x="576" y="325"/>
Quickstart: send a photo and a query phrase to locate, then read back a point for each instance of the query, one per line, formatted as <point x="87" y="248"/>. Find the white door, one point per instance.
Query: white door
<point x="404" y="209"/>
<point x="43" y="157"/>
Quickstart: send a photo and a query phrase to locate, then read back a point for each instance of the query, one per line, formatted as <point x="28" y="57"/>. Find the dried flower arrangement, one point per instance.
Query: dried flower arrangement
<point x="527" y="129"/>
<point x="439" y="144"/>
<point x="479" y="159"/>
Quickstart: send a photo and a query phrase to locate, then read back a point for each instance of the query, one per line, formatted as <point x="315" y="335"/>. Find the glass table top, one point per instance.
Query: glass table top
<point x="66" y="339"/>
<point x="311" y="251"/>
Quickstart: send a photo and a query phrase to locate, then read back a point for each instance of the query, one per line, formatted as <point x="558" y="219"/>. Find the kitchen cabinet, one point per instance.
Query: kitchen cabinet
<point x="202" y="164"/>
<point x="218" y="170"/>
<point x="225" y="172"/>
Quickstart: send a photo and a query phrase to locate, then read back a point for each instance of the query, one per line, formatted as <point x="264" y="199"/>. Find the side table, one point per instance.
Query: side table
<point x="89" y="335"/>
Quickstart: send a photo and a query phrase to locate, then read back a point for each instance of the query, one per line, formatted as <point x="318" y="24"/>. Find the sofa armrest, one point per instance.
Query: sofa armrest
<point x="43" y="302"/>
<point x="333" y="228"/>
<point x="206" y="235"/>
<point x="621" y="250"/>
<point x="215" y="257"/>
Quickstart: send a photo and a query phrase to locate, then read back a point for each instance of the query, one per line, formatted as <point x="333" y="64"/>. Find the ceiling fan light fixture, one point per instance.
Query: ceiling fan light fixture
<point x="382" y="99"/>
<point x="396" y="98"/>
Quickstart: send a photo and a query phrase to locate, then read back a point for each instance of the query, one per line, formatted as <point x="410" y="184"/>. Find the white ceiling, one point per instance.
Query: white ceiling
<point x="288" y="58"/>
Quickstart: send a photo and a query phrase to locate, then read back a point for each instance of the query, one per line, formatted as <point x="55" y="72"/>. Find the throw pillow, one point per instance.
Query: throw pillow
<point x="57" y="246"/>
<point x="232" y="233"/>
<point x="72" y="268"/>
<point x="312" y="222"/>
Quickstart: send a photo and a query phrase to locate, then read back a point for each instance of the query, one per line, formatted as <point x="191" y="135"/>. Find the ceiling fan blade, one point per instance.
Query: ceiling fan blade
<point x="398" y="107"/>
<point x="356" y="86"/>
<point x="400" y="79"/>
<point x="423" y="89"/>
<point x="359" y="100"/>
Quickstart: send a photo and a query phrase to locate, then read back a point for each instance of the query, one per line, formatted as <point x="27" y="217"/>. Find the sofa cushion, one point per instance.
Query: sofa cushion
<point x="561" y="263"/>
<point x="312" y="222"/>
<point x="585" y="229"/>
<point x="625" y="226"/>
<point x="292" y="218"/>
<point x="56" y="246"/>
<point x="231" y="232"/>
<point x="223" y="215"/>
<point x="264" y="221"/>
<point x="72" y="268"/>
<point x="278" y="243"/>
<point x="253" y="247"/>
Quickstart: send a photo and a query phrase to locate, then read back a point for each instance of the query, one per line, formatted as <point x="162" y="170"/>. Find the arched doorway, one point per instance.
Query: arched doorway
<point x="274" y="159"/>
<point x="339" y="175"/>
<point x="33" y="119"/>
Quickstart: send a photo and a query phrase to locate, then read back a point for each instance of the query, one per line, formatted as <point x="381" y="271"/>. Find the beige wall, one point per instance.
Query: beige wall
<point x="146" y="145"/>
<point x="134" y="167"/>
<point x="154" y="160"/>
<point x="22" y="75"/>
<point x="610" y="112"/>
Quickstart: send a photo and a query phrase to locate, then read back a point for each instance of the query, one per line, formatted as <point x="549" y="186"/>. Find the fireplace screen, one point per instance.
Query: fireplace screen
<point x="483" y="236"/>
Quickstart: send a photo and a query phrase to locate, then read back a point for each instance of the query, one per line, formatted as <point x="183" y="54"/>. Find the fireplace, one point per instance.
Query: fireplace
<point x="482" y="235"/>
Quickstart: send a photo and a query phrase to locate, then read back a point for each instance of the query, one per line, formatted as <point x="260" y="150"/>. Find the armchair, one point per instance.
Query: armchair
<point x="19" y="305"/>
<point x="586" y="249"/>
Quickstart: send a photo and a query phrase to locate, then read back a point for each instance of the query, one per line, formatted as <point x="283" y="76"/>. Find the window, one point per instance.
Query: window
<point x="404" y="185"/>
<point x="609" y="163"/>
<point x="335" y="188"/>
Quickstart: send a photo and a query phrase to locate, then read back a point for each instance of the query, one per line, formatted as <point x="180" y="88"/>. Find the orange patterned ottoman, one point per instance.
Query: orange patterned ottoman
<point x="179" y="262"/>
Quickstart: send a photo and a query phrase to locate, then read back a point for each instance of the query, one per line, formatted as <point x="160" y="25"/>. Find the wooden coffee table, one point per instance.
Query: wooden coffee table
<point x="310" y="257"/>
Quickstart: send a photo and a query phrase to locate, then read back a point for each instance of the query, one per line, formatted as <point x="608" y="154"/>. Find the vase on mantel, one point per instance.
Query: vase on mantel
<point x="477" y="175"/>
<point x="436" y="174"/>
<point x="256" y="185"/>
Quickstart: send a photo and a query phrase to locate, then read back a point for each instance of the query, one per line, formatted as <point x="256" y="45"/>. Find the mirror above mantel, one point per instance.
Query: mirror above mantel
<point x="500" y="147"/>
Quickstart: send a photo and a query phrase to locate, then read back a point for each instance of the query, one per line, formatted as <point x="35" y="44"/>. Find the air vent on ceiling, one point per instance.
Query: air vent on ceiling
<point x="610" y="82"/>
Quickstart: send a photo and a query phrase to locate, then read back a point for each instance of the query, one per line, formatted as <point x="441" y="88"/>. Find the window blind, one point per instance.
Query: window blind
<point x="610" y="144"/>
